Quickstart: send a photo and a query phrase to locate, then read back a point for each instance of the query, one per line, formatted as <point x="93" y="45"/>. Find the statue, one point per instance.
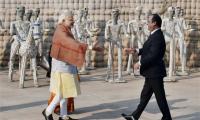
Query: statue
<point x="18" y="30"/>
<point x="113" y="31"/>
<point x="170" y="31"/>
<point x="93" y="36"/>
<point x="82" y="28"/>
<point x="23" y="43"/>
<point x="139" y="32"/>
<point x="182" y="26"/>
<point x="37" y="35"/>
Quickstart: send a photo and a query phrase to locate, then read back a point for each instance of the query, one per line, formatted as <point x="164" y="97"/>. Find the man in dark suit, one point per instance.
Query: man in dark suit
<point x="152" y="67"/>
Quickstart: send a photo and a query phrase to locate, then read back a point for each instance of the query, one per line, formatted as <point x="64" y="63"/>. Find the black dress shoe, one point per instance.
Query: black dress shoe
<point x="128" y="117"/>
<point x="67" y="118"/>
<point x="166" y="118"/>
<point x="50" y="117"/>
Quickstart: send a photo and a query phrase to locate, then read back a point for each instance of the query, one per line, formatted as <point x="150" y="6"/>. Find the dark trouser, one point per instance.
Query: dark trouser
<point x="156" y="86"/>
<point x="49" y="61"/>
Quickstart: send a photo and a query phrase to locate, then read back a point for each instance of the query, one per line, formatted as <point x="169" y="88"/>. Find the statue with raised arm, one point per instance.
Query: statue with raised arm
<point x="113" y="30"/>
<point x="82" y="27"/>
<point x="170" y="31"/>
<point x="139" y="33"/>
<point x="93" y="37"/>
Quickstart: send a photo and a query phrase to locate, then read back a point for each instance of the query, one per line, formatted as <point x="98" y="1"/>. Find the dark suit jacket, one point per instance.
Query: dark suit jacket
<point x="152" y="53"/>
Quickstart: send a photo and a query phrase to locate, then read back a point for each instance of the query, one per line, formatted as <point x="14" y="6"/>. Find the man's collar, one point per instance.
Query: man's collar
<point x="155" y="31"/>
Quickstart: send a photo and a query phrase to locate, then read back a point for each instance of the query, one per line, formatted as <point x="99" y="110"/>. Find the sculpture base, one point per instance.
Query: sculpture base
<point x="129" y="72"/>
<point x="90" y="68"/>
<point x="115" y="81"/>
<point x="170" y="79"/>
<point x="120" y="81"/>
<point x="85" y="72"/>
<point x="182" y="73"/>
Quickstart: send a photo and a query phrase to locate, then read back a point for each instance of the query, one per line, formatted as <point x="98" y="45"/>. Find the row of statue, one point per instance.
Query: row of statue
<point x="27" y="40"/>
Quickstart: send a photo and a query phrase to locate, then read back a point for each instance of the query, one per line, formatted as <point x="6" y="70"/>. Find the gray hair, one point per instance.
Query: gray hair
<point x="64" y="14"/>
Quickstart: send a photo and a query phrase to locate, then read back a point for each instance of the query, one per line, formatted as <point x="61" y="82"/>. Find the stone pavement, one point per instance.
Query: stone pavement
<point x="100" y="100"/>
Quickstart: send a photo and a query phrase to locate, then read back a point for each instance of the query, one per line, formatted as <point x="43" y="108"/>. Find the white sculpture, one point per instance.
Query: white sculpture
<point x="82" y="27"/>
<point x="182" y="26"/>
<point x="93" y="36"/>
<point x="27" y="50"/>
<point x="19" y="31"/>
<point x="37" y="36"/>
<point x="113" y="35"/>
<point x="139" y="32"/>
<point x="170" y="30"/>
<point x="24" y="45"/>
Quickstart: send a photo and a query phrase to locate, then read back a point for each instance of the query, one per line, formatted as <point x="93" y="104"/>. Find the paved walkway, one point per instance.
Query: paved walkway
<point x="100" y="100"/>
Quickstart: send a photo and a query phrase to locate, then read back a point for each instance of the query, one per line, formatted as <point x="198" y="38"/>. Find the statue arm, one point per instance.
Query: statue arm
<point x="178" y="30"/>
<point x="78" y="34"/>
<point x="124" y="29"/>
<point x="107" y="32"/>
<point x="12" y="28"/>
<point x="128" y="28"/>
<point x="163" y="26"/>
<point x="74" y="31"/>
<point x="131" y="28"/>
<point x="88" y="28"/>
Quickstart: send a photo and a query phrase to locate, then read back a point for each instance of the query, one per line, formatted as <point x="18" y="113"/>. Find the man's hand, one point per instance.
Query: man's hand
<point x="130" y="50"/>
<point x="136" y="66"/>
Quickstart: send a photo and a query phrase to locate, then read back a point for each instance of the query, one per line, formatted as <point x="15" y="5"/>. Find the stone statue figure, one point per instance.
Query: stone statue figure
<point x="24" y="44"/>
<point x="19" y="31"/>
<point x="93" y="37"/>
<point x="37" y="35"/>
<point x="148" y="12"/>
<point x="139" y="32"/>
<point x="82" y="27"/>
<point x="113" y="30"/>
<point x="170" y="30"/>
<point x="182" y="26"/>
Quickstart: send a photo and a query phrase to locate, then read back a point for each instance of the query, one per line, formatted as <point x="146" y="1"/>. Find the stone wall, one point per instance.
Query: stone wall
<point x="99" y="11"/>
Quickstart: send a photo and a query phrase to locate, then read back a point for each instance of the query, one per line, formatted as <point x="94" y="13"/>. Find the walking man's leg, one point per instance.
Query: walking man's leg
<point x="158" y="89"/>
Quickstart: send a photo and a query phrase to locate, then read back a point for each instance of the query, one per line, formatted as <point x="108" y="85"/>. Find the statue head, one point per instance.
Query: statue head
<point x="177" y="11"/>
<point x="182" y="12"/>
<point x="37" y="12"/>
<point x="171" y="11"/>
<point x="28" y="15"/>
<point x="138" y="11"/>
<point x="148" y="12"/>
<point x="85" y="12"/>
<point x="20" y="12"/>
<point x="115" y="13"/>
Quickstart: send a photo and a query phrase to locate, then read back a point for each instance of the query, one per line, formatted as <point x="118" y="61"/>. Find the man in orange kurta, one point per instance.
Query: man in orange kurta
<point x="66" y="48"/>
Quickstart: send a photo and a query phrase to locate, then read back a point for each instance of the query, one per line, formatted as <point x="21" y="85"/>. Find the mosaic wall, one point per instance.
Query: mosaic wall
<point x="99" y="11"/>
